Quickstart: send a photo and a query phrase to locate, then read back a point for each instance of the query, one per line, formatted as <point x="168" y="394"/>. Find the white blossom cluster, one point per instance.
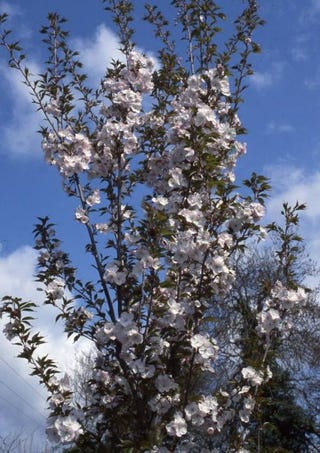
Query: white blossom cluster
<point x="73" y="152"/>
<point x="125" y="330"/>
<point x="281" y="299"/>
<point x="62" y="428"/>
<point x="122" y="114"/>
<point x="70" y="152"/>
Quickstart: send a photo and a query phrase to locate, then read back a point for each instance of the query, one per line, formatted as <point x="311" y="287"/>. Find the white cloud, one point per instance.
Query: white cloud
<point x="17" y="279"/>
<point x="268" y="78"/>
<point x="292" y="184"/>
<point x="16" y="272"/>
<point x="19" y="132"/>
<point x="275" y="127"/>
<point x="261" y="79"/>
<point x="97" y="53"/>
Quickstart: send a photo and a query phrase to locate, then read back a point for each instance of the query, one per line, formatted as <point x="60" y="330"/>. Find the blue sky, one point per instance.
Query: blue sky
<point x="281" y="113"/>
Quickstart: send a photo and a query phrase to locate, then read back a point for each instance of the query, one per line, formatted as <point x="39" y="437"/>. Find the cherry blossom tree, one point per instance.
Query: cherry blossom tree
<point x="148" y="157"/>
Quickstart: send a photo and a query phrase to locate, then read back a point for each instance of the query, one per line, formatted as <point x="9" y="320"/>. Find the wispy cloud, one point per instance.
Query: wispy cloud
<point x="275" y="127"/>
<point x="310" y="12"/>
<point x="262" y="79"/>
<point x="300" y="48"/>
<point x="266" y="79"/>
<point x="313" y="82"/>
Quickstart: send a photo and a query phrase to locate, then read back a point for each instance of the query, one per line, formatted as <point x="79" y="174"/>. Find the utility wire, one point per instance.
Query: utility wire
<point x="21" y="377"/>
<point x="23" y="399"/>
<point x="20" y="410"/>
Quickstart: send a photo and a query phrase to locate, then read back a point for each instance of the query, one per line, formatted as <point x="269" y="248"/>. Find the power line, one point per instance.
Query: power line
<point x="21" y="377"/>
<point x="20" y="410"/>
<point x="22" y="398"/>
